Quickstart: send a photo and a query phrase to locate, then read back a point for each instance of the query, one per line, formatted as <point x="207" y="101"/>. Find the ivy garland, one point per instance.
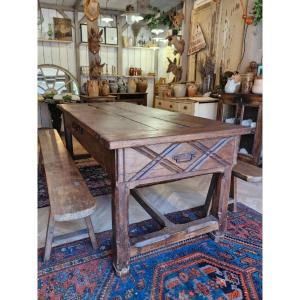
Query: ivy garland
<point x="257" y="11"/>
<point x="154" y="21"/>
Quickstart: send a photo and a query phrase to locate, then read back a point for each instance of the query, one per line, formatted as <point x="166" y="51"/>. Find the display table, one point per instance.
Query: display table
<point x="99" y="99"/>
<point x="139" y="146"/>
<point x="137" y="98"/>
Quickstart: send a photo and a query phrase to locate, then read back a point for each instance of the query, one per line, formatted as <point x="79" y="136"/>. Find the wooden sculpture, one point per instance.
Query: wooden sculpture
<point x="176" y="70"/>
<point x="176" y="18"/>
<point x="178" y="44"/>
<point x="94" y="40"/>
<point x="96" y="69"/>
<point x="91" y="9"/>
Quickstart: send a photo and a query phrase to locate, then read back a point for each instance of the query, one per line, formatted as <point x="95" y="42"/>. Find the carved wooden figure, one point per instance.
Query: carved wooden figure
<point x="91" y="9"/>
<point x="177" y="18"/>
<point x="96" y="69"/>
<point x="178" y="44"/>
<point x="176" y="70"/>
<point x="94" y="40"/>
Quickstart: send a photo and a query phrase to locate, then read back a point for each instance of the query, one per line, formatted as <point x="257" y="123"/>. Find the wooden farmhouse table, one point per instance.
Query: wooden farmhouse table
<point x="140" y="146"/>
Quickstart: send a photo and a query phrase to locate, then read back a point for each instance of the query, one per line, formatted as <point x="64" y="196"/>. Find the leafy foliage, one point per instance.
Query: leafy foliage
<point x="257" y="11"/>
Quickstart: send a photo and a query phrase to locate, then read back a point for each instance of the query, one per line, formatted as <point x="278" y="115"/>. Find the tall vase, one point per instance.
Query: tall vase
<point x="93" y="88"/>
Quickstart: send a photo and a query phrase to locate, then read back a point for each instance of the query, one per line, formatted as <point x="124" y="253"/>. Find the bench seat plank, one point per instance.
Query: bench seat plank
<point x="247" y="172"/>
<point x="69" y="195"/>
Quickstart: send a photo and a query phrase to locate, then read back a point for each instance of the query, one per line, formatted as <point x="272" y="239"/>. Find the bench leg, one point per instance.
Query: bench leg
<point x="233" y="192"/>
<point x="90" y="227"/>
<point x="49" y="238"/>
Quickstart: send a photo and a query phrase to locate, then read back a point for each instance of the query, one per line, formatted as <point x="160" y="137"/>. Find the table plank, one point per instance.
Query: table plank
<point x="122" y="125"/>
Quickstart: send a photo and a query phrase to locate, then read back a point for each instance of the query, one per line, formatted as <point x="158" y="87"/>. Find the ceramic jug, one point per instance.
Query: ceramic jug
<point x="131" y="86"/>
<point x="192" y="90"/>
<point x="93" y="88"/>
<point x="232" y="86"/>
<point x="122" y="86"/>
<point x="142" y="85"/>
<point x="105" y="88"/>
<point x="179" y="90"/>
<point x="258" y="86"/>
<point x="113" y="86"/>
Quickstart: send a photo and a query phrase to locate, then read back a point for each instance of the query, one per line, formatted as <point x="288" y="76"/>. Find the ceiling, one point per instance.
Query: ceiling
<point x="163" y="5"/>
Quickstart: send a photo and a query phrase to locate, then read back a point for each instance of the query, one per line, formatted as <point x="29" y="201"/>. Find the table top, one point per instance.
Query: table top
<point x="121" y="125"/>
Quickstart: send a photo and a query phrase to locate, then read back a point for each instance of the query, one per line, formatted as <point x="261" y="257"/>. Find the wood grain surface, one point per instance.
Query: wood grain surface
<point x="69" y="196"/>
<point x="121" y="125"/>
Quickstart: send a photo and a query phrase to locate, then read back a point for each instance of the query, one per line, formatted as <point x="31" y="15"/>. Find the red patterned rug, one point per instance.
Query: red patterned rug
<point x="197" y="268"/>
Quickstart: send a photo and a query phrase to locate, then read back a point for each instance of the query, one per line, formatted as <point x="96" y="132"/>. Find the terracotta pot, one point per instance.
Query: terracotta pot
<point x="105" y="88"/>
<point x="93" y="88"/>
<point x="192" y="90"/>
<point x="179" y="90"/>
<point x="142" y="85"/>
<point x="131" y="86"/>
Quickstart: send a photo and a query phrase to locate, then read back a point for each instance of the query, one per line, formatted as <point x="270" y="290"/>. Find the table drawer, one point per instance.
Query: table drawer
<point x="166" y="104"/>
<point x="188" y="108"/>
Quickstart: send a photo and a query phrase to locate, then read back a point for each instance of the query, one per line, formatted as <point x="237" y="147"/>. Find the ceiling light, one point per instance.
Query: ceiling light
<point x="157" y="31"/>
<point x="131" y="15"/>
<point x="107" y="19"/>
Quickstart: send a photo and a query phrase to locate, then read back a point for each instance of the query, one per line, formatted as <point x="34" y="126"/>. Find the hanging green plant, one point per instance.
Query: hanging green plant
<point x="257" y="11"/>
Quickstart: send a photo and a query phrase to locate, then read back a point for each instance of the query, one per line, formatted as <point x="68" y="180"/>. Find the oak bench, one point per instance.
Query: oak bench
<point x="69" y="196"/>
<point x="246" y="172"/>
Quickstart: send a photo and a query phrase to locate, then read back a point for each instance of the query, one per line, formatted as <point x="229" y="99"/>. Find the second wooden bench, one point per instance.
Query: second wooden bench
<point x="69" y="196"/>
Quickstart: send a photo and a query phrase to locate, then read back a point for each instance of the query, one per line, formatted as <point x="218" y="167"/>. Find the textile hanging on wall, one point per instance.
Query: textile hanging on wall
<point x="197" y="39"/>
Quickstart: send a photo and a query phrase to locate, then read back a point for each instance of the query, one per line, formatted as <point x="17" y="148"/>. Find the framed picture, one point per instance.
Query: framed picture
<point x="84" y="34"/>
<point x="111" y="35"/>
<point x="103" y="36"/>
<point x="62" y="29"/>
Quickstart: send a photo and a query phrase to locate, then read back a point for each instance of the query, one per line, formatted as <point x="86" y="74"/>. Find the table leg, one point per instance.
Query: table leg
<point x="220" y="202"/>
<point x="120" y="241"/>
<point x="69" y="140"/>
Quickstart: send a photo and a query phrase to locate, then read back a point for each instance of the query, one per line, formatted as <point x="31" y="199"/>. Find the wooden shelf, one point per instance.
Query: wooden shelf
<point x="102" y="45"/>
<point x="147" y="48"/>
<point x="55" y="41"/>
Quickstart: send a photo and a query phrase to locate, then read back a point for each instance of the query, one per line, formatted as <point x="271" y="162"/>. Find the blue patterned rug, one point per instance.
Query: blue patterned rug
<point x="197" y="268"/>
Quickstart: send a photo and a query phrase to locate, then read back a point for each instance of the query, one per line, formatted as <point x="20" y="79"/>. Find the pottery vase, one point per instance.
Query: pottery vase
<point x="93" y="88"/>
<point x="131" y="86"/>
<point x="113" y="87"/>
<point x="232" y="86"/>
<point x="179" y="90"/>
<point x="192" y="90"/>
<point x="257" y="86"/>
<point x="142" y="85"/>
<point x="105" y="88"/>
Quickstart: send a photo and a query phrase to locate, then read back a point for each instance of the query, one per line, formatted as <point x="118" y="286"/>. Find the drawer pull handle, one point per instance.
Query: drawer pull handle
<point x="171" y="106"/>
<point x="185" y="107"/>
<point x="159" y="103"/>
<point x="184" y="157"/>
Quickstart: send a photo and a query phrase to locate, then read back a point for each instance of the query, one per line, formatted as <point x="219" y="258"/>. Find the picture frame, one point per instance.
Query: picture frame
<point x="103" y="36"/>
<point x="84" y="34"/>
<point x="111" y="35"/>
<point x="62" y="29"/>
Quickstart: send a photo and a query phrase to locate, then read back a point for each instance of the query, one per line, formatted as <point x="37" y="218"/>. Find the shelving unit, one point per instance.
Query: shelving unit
<point x="245" y="106"/>
<point x="102" y="45"/>
<point x="55" y="41"/>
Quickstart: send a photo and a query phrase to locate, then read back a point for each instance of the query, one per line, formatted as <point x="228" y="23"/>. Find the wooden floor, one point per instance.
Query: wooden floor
<point x="165" y="197"/>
